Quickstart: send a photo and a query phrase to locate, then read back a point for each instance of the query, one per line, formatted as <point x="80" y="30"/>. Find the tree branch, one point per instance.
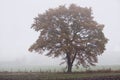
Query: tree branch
<point x="74" y="57"/>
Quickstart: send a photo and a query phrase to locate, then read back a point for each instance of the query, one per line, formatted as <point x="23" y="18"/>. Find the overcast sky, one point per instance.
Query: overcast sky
<point x="16" y="36"/>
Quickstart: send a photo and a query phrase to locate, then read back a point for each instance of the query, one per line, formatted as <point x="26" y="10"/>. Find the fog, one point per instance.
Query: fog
<point x="16" y="36"/>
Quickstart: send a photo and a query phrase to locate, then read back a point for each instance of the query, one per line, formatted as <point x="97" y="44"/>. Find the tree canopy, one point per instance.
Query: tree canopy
<point x="70" y="32"/>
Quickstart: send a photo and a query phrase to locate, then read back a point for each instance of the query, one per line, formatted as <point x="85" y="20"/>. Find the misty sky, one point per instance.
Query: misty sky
<point x="16" y="36"/>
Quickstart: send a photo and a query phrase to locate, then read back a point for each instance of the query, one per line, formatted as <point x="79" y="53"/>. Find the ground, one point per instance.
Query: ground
<point x="59" y="76"/>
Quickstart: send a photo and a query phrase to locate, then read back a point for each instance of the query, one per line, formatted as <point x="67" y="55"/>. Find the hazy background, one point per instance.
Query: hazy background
<point x="16" y="36"/>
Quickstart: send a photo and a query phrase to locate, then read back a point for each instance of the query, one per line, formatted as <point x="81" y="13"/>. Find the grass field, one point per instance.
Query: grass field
<point x="55" y="73"/>
<point x="59" y="76"/>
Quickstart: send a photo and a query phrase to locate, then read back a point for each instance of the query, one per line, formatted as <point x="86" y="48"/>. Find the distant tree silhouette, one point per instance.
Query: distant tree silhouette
<point x="70" y="33"/>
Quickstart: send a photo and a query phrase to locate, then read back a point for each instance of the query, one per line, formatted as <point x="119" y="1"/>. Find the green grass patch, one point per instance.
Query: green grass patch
<point x="51" y="76"/>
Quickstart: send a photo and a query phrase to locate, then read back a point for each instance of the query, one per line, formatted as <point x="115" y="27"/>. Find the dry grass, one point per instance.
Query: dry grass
<point x="88" y="75"/>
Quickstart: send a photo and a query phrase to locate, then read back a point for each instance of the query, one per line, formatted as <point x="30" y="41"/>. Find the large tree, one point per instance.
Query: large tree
<point x="69" y="32"/>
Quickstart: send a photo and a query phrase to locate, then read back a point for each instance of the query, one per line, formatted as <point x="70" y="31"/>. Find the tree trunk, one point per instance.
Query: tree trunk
<point x="69" y="68"/>
<point x="69" y="63"/>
